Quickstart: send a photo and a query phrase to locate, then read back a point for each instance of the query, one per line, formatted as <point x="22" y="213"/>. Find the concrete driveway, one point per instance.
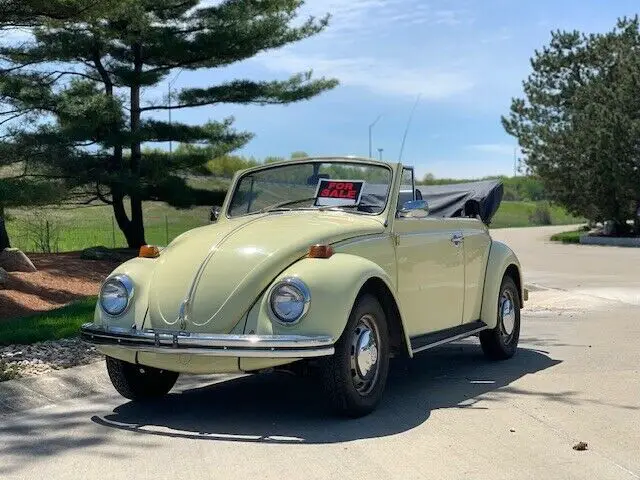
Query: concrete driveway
<point x="601" y="272"/>
<point x="449" y="414"/>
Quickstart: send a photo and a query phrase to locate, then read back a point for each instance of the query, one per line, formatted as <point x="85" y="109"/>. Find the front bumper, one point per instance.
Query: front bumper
<point x="169" y="342"/>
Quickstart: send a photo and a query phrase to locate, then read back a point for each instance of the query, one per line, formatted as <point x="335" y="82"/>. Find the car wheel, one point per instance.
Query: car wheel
<point x="356" y="375"/>
<point x="138" y="382"/>
<point x="501" y="342"/>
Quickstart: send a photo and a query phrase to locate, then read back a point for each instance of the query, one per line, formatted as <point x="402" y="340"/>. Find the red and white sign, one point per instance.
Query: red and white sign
<point x="338" y="193"/>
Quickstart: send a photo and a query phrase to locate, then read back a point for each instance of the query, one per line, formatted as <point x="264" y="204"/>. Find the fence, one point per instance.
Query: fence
<point x="73" y="230"/>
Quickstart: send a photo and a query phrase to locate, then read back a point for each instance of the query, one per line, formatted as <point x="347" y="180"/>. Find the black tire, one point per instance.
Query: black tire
<point x="351" y="393"/>
<point x="501" y="342"/>
<point x="138" y="382"/>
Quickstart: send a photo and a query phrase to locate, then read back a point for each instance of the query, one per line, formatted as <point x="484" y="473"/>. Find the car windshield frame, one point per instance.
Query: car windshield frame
<point x="338" y="161"/>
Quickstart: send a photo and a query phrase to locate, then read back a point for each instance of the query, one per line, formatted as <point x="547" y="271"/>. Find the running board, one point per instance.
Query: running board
<point x="434" y="339"/>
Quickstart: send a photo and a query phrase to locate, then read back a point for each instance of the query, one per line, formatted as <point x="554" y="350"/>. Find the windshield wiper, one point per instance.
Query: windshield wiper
<point x="276" y="206"/>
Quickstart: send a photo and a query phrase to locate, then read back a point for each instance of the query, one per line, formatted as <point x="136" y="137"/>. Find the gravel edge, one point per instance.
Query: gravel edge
<point x="19" y="361"/>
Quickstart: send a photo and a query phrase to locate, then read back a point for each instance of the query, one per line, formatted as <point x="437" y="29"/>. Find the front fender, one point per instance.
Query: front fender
<point x="334" y="284"/>
<point x="501" y="258"/>
<point x="139" y="270"/>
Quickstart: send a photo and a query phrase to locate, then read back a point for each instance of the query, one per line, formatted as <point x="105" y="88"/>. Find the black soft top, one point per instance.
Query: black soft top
<point x="464" y="199"/>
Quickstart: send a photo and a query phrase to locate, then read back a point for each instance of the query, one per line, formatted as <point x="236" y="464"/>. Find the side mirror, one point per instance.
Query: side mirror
<point x="214" y="214"/>
<point x="414" y="209"/>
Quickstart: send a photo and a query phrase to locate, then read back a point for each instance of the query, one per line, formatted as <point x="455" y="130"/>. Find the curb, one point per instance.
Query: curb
<point x="631" y="242"/>
<point x="41" y="390"/>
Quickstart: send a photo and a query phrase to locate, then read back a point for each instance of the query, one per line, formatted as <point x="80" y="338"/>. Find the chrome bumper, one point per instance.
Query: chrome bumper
<point x="162" y="341"/>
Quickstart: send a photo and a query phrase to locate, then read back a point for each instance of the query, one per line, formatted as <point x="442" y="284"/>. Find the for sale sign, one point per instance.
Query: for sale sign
<point x="338" y="193"/>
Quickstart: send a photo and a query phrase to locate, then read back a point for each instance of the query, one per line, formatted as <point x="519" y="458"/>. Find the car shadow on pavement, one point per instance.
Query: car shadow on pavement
<point x="281" y="408"/>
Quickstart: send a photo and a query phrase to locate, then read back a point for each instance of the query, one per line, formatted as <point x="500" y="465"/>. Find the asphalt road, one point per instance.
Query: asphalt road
<point x="449" y="414"/>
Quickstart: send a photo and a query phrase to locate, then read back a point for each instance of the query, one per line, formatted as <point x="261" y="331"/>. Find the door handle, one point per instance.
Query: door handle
<point x="456" y="239"/>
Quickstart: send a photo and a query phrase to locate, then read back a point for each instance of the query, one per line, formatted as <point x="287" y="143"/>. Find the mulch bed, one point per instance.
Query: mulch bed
<point x="61" y="279"/>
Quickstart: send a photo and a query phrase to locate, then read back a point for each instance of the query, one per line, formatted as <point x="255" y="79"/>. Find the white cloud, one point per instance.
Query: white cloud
<point x="361" y="17"/>
<point x="494" y="148"/>
<point x="377" y="75"/>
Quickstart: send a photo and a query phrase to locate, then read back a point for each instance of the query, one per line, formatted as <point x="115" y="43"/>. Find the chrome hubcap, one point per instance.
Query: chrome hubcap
<point x="364" y="355"/>
<point x="507" y="313"/>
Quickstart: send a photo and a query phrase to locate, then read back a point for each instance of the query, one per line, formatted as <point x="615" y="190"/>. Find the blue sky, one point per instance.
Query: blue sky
<point x="466" y="58"/>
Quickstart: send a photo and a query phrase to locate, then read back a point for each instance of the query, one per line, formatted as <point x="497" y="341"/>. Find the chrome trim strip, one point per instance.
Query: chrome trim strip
<point x="163" y="341"/>
<point x="450" y="339"/>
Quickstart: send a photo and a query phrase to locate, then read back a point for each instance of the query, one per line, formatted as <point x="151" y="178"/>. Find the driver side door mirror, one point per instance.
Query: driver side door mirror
<point x="414" y="209"/>
<point x="214" y="214"/>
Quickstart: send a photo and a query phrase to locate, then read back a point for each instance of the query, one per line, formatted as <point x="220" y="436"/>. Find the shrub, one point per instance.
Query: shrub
<point x="541" y="215"/>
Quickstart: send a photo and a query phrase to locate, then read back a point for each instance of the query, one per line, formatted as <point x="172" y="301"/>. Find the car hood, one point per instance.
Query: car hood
<point x="209" y="277"/>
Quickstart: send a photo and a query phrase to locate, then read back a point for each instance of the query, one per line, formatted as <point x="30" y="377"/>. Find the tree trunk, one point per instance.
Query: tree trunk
<point x="133" y="230"/>
<point x="137" y="222"/>
<point x="4" y="236"/>
<point x="132" y="234"/>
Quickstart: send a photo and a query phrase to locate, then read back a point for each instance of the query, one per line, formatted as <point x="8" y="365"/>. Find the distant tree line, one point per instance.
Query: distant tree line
<point x="516" y="189"/>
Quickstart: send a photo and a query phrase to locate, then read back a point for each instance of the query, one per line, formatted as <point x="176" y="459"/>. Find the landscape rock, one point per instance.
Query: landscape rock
<point x="103" y="253"/>
<point x="14" y="260"/>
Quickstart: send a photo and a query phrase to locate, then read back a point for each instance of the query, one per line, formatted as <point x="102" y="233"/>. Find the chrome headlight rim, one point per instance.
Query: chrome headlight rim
<point x="302" y="288"/>
<point x="128" y="285"/>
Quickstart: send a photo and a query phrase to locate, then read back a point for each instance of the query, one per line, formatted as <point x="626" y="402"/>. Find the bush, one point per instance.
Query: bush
<point x="541" y="215"/>
<point x="42" y="230"/>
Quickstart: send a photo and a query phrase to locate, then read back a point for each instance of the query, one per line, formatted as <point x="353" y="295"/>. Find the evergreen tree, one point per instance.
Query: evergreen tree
<point x="20" y="183"/>
<point x="579" y="122"/>
<point x="81" y="85"/>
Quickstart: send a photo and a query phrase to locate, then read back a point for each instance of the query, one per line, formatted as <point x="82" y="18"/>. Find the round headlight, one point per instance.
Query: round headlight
<point x="115" y="294"/>
<point x="289" y="300"/>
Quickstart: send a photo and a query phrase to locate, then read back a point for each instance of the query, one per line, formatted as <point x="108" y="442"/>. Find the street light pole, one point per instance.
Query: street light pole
<point x="380" y="152"/>
<point x="370" y="129"/>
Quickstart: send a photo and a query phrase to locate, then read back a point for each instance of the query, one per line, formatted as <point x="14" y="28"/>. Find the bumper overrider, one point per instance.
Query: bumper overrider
<point x="172" y="342"/>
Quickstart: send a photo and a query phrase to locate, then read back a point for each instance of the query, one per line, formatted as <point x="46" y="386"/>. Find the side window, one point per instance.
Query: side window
<point x="407" y="188"/>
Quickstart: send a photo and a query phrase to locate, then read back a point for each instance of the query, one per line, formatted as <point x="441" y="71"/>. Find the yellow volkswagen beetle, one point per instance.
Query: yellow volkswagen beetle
<point x="335" y="263"/>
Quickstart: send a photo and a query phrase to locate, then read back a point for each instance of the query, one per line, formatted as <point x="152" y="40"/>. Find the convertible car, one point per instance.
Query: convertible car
<point x="329" y="265"/>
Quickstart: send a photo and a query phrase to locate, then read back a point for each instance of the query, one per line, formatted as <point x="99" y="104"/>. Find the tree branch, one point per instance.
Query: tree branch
<point x="100" y="195"/>
<point x="176" y="107"/>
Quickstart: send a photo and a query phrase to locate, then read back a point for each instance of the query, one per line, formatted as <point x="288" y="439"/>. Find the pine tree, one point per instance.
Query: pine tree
<point x="81" y="85"/>
<point x="579" y="122"/>
<point x="20" y="183"/>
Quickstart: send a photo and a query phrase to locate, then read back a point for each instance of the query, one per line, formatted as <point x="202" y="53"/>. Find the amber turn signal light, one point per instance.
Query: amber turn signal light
<point x="149" y="251"/>
<point x="320" y="251"/>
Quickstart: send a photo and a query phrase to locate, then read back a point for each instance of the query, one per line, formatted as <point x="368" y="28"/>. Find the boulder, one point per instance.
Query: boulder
<point x="97" y="253"/>
<point x="14" y="260"/>
<point x="104" y="253"/>
<point x="4" y="278"/>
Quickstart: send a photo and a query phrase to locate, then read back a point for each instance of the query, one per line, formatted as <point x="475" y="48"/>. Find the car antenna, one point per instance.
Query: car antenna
<point x="404" y="137"/>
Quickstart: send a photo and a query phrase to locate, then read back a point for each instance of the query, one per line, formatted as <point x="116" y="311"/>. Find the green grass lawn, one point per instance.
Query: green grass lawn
<point x="572" y="236"/>
<point x="75" y="229"/>
<point x="63" y="322"/>
<point x="518" y="214"/>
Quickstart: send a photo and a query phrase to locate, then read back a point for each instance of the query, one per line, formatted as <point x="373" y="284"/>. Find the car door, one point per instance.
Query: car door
<point x="430" y="269"/>
<point x="477" y="243"/>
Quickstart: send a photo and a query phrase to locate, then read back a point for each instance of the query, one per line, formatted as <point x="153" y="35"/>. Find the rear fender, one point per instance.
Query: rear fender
<point x="334" y="283"/>
<point x="501" y="259"/>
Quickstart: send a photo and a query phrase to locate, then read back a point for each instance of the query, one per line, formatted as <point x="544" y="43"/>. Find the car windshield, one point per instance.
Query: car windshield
<point x="356" y="187"/>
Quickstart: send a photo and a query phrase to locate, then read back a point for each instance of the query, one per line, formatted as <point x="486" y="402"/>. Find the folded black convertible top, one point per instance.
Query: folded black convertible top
<point x="451" y="200"/>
